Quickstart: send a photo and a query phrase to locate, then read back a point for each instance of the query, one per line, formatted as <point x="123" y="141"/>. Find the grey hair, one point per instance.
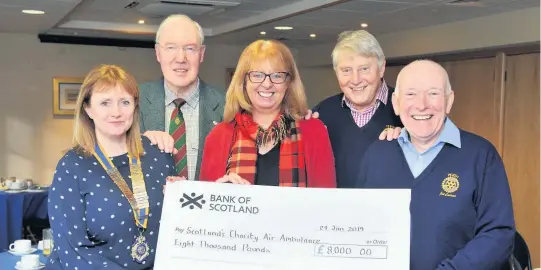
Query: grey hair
<point x="448" y="87"/>
<point x="181" y="16"/>
<point x="360" y="42"/>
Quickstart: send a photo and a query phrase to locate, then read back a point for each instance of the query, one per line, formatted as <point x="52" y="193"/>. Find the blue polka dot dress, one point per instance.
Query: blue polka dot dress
<point x="92" y="221"/>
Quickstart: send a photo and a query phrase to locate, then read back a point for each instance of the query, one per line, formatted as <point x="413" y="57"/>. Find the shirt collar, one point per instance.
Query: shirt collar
<point x="450" y="134"/>
<point x="382" y="95"/>
<point x="191" y="97"/>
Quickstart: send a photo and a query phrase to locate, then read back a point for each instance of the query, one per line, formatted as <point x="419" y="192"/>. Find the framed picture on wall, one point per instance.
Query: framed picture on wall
<point x="65" y="93"/>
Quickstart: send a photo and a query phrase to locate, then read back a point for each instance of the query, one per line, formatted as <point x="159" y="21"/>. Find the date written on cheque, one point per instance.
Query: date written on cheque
<point x="335" y="228"/>
<point x="351" y="251"/>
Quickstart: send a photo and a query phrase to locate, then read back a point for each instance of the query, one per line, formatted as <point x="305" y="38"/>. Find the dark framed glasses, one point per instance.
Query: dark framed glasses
<point x="259" y="77"/>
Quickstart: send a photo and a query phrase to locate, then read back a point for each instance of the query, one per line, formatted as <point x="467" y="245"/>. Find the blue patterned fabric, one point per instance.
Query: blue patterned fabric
<point x="92" y="221"/>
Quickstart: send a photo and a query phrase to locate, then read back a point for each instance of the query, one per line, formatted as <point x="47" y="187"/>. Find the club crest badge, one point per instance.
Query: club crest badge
<point x="450" y="185"/>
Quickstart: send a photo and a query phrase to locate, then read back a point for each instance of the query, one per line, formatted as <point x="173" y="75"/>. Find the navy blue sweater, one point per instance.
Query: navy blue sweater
<point x="461" y="209"/>
<point x="349" y="142"/>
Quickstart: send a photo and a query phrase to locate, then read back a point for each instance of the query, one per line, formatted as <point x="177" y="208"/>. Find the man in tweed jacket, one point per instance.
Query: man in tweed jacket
<point x="180" y="51"/>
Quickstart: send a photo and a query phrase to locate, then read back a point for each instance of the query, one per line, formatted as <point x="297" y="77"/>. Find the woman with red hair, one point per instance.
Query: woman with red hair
<point x="264" y="139"/>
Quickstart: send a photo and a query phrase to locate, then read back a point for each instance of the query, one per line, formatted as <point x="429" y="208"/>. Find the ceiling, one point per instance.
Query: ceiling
<point x="241" y="21"/>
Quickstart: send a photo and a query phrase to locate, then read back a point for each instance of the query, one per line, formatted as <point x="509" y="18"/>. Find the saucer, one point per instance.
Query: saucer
<point x="18" y="266"/>
<point x="13" y="191"/>
<point x="19" y="188"/>
<point x="20" y="253"/>
<point x="34" y="190"/>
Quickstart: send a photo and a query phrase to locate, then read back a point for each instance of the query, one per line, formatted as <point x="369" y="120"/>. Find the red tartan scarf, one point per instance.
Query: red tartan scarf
<point x="248" y="136"/>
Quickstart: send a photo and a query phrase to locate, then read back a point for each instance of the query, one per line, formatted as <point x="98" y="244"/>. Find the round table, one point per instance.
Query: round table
<point x="8" y="260"/>
<point x="14" y="209"/>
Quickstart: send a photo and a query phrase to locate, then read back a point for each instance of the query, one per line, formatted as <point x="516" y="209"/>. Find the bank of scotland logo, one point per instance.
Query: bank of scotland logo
<point x="192" y="200"/>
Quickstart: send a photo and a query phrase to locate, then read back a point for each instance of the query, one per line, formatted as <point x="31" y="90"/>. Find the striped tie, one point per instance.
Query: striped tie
<point x="177" y="129"/>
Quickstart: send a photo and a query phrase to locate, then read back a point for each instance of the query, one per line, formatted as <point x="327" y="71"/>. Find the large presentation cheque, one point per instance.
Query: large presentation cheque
<point x="226" y="226"/>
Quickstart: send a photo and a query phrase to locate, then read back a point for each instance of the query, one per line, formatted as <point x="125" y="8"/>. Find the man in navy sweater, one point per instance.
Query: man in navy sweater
<point x="461" y="209"/>
<point x="356" y="117"/>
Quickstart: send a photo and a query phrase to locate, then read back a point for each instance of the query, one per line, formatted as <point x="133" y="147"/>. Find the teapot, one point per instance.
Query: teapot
<point x="29" y="183"/>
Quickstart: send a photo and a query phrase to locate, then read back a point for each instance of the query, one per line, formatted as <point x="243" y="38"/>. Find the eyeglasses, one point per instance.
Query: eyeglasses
<point x="188" y="49"/>
<point x="259" y="77"/>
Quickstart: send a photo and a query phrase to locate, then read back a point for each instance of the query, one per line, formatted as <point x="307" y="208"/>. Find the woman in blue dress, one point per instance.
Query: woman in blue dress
<point x="106" y="195"/>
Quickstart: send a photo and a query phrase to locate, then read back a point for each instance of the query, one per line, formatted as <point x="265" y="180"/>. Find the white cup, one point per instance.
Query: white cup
<point x="30" y="261"/>
<point x="7" y="183"/>
<point x="22" y="245"/>
<point x="16" y="185"/>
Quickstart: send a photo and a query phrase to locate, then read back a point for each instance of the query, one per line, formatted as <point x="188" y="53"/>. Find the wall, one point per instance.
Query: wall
<point x="516" y="27"/>
<point x="31" y="139"/>
<point x="319" y="83"/>
<point x="505" y="29"/>
<point x="520" y="146"/>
